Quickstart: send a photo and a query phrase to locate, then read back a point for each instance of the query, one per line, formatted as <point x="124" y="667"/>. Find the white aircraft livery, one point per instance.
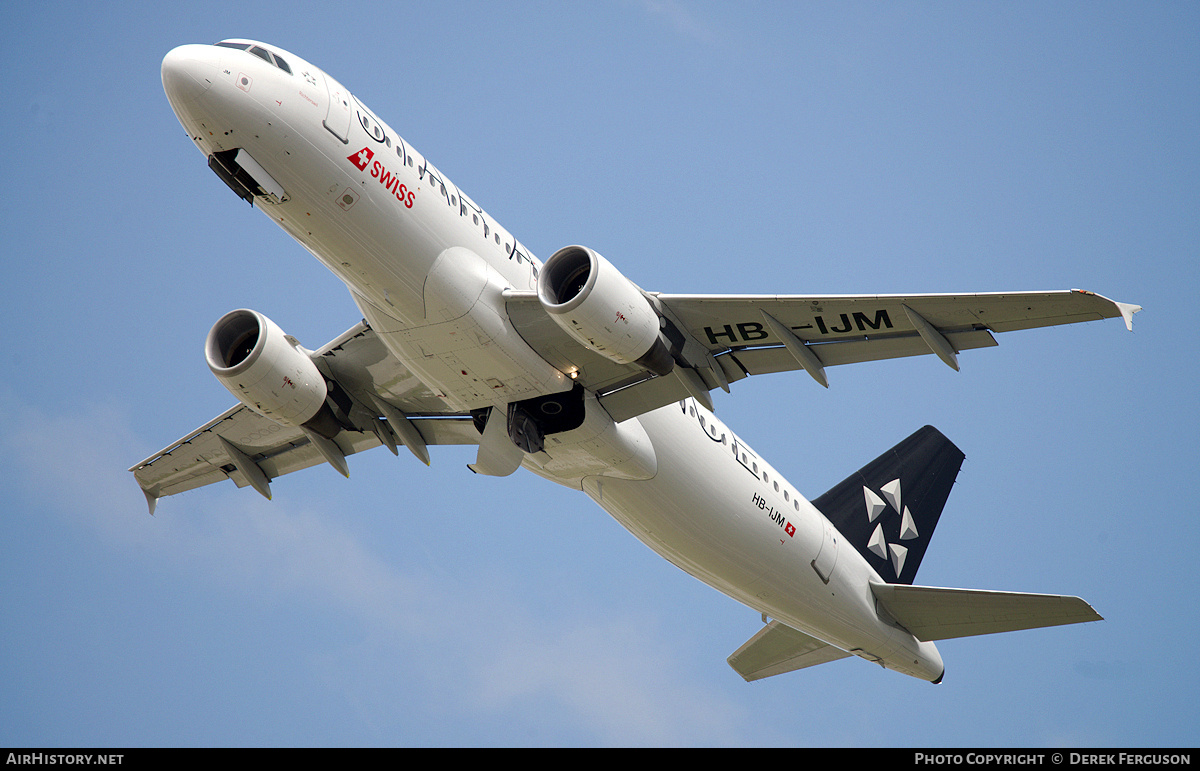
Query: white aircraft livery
<point x="570" y="370"/>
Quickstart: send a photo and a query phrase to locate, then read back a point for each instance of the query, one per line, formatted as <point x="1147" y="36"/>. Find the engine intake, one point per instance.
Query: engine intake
<point x="596" y="305"/>
<point x="266" y="370"/>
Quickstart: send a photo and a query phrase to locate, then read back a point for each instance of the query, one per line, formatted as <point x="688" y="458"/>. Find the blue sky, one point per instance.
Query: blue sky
<point x="701" y="147"/>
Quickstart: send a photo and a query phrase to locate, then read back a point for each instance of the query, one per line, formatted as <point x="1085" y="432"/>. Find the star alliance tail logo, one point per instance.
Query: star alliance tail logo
<point x="361" y="158"/>
<point x="879" y="545"/>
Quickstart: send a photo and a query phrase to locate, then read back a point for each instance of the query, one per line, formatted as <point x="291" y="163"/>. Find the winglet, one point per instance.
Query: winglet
<point x="1127" y="310"/>
<point x="151" y="500"/>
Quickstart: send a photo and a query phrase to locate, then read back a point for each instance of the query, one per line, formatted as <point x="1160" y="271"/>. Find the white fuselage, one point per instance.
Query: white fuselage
<point x="387" y="223"/>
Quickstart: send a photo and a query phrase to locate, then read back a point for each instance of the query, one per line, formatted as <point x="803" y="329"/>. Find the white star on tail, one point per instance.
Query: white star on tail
<point x="878" y="543"/>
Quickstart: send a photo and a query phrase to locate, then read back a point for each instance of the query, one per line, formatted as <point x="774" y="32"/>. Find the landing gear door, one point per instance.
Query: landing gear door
<point x="337" y="119"/>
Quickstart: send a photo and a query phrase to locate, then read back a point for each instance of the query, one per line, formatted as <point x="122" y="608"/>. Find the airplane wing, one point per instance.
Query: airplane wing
<point x="720" y="339"/>
<point x="384" y="402"/>
<point x="717" y="340"/>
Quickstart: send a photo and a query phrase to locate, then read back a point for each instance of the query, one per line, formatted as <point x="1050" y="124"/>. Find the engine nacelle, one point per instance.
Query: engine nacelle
<point x="264" y="368"/>
<point x="596" y="305"/>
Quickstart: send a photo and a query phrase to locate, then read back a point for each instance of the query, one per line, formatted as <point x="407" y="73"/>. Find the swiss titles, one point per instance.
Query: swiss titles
<point x="392" y="182"/>
<point x="365" y="158"/>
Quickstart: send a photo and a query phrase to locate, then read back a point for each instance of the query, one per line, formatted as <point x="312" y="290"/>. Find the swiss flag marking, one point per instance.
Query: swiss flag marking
<point x="790" y="529"/>
<point x="361" y="158"/>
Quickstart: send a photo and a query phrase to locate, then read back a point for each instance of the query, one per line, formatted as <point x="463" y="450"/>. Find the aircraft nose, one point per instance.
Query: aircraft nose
<point x="187" y="72"/>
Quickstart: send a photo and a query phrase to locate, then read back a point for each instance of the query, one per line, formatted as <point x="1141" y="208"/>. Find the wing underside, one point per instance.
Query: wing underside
<point x="716" y="340"/>
<point x="720" y="339"/>
<point x="382" y="403"/>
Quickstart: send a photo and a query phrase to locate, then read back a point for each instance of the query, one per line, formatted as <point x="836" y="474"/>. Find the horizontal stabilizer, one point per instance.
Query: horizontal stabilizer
<point x="933" y="613"/>
<point x="777" y="648"/>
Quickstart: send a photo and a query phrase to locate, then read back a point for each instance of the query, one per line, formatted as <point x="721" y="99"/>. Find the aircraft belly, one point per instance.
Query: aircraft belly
<point x="700" y="513"/>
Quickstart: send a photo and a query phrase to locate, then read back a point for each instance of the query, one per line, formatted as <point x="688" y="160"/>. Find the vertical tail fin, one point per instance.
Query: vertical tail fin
<point x="889" y="508"/>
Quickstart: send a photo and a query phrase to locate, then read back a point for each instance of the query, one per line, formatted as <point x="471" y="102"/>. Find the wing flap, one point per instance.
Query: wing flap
<point x="758" y="361"/>
<point x="644" y="396"/>
<point x="935" y="613"/>
<point x="651" y="393"/>
<point x="199" y="459"/>
<point x="776" y="649"/>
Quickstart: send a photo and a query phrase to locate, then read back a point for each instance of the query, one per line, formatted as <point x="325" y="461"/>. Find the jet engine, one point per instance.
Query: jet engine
<point x="266" y="369"/>
<point x="596" y="305"/>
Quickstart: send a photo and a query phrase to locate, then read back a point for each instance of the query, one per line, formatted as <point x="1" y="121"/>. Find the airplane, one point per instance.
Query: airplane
<point x="570" y="370"/>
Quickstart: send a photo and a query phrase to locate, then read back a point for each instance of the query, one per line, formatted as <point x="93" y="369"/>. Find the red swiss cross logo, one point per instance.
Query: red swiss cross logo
<point x="361" y="158"/>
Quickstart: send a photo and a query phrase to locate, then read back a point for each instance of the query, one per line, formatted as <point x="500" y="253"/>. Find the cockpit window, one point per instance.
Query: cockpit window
<point x="260" y="52"/>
